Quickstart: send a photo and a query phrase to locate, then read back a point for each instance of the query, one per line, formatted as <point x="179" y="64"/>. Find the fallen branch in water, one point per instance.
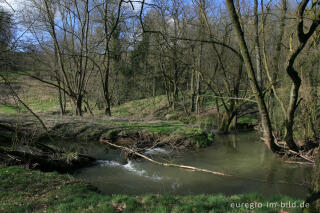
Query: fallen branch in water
<point x="165" y="164"/>
<point x="300" y="163"/>
<point x="194" y="168"/>
<point x="310" y="161"/>
<point x="302" y="156"/>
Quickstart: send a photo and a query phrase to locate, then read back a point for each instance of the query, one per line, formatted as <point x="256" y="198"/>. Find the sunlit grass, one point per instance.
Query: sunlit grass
<point x="140" y="107"/>
<point x="8" y="109"/>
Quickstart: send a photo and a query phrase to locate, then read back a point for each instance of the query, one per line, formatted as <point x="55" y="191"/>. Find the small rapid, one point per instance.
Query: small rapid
<point x="130" y="167"/>
<point x="242" y="155"/>
<point x="158" y="151"/>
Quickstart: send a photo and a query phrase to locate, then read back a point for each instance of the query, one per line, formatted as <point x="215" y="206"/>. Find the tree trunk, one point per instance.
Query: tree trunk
<point x="293" y="105"/>
<point x="198" y="88"/>
<point x="266" y="124"/>
<point x="293" y="74"/>
<point x="198" y="91"/>
<point x="279" y="40"/>
<point x="193" y="94"/>
<point x="78" y="106"/>
<point x="108" y="107"/>
<point x="257" y="44"/>
<point x="227" y="118"/>
<point x="61" y="104"/>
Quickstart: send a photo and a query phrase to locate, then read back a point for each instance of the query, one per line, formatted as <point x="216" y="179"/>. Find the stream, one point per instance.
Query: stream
<point x="242" y="155"/>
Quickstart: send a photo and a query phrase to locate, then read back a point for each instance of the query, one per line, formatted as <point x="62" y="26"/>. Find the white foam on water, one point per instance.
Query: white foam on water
<point x="157" y="150"/>
<point x="105" y="163"/>
<point x="129" y="167"/>
<point x="175" y="185"/>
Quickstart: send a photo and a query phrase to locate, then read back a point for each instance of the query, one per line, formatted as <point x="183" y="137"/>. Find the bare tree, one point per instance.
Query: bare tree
<point x="257" y="91"/>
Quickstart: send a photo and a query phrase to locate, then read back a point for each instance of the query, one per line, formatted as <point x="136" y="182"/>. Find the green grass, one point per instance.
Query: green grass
<point x="140" y="107"/>
<point x="162" y="128"/>
<point x="201" y="137"/>
<point x="8" y="109"/>
<point x="34" y="191"/>
<point x="36" y="103"/>
<point x="42" y="104"/>
<point x="175" y="130"/>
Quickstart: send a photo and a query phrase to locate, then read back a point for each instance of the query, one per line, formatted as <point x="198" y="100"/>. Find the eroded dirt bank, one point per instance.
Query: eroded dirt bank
<point x="22" y="137"/>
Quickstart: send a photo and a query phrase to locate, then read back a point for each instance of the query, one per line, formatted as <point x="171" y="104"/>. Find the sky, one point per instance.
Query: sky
<point x="15" y="4"/>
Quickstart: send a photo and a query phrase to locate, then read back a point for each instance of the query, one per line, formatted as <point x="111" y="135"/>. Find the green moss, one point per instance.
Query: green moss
<point x="33" y="191"/>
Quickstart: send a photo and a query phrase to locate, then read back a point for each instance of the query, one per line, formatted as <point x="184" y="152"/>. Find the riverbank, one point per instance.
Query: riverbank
<point x="27" y="128"/>
<point x="22" y="138"/>
<point x="25" y="190"/>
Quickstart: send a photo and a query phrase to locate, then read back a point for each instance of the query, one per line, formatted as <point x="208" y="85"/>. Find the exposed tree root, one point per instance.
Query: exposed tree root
<point x="300" y="156"/>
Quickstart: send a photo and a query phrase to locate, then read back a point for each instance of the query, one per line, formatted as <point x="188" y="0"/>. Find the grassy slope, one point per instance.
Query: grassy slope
<point x="42" y="98"/>
<point x="37" y="96"/>
<point x="24" y="190"/>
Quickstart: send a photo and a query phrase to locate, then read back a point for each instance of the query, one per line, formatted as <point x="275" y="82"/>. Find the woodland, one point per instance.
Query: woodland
<point x="139" y="75"/>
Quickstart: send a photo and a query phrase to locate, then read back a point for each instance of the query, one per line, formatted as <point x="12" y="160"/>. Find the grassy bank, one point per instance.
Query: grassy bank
<point x="91" y="129"/>
<point x="24" y="190"/>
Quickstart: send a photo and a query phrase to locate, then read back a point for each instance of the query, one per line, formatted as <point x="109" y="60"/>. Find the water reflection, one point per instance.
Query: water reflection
<point x="230" y="143"/>
<point x="242" y="155"/>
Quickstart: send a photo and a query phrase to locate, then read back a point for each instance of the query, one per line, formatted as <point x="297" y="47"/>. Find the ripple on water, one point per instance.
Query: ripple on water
<point x="130" y="166"/>
<point x="157" y="150"/>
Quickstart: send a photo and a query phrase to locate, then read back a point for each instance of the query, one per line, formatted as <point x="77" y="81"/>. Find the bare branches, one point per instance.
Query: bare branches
<point x="9" y="5"/>
<point x="20" y="101"/>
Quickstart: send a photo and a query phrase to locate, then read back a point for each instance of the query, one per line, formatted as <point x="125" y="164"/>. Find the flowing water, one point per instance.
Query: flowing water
<point x="243" y="155"/>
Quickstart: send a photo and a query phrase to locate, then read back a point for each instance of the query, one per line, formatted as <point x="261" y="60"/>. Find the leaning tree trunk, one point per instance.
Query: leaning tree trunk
<point x="266" y="123"/>
<point x="293" y="74"/>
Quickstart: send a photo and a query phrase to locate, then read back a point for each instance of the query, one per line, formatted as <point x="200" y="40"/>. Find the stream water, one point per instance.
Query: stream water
<point x="242" y="155"/>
